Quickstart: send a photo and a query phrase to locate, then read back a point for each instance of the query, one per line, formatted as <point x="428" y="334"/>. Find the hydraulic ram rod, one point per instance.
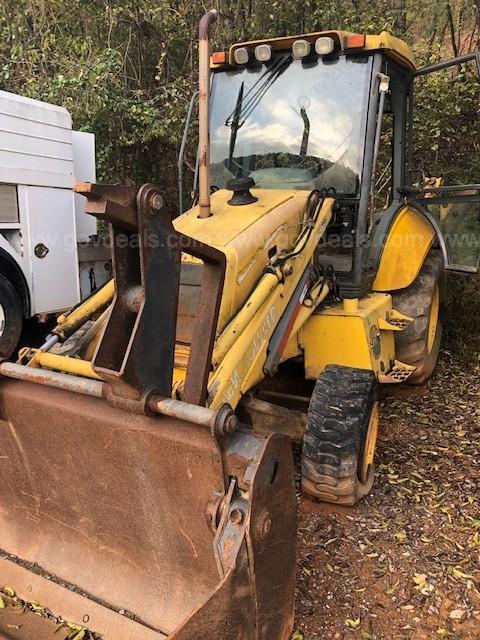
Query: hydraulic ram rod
<point x="202" y="416"/>
<point x="74" y="366"/>
<point x="63" y="381"/>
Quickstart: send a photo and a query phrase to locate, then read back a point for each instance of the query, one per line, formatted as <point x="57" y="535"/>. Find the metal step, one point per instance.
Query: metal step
<point x="399" y="373"/>
<point x="395" y="321"/>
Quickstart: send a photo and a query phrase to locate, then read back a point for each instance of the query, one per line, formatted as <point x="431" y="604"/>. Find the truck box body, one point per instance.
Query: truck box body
<point x="41" y="220"/>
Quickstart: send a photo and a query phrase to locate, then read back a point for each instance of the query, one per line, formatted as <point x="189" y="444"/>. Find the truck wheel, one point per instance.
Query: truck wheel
<point x="340" y="436"/>
<point x="419" y="344"/>
<point x="11" y="318"/>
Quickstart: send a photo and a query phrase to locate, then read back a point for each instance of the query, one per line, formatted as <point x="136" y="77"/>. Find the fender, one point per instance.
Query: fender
<point x="405" y="247"/>
<point x="10" y="268"/>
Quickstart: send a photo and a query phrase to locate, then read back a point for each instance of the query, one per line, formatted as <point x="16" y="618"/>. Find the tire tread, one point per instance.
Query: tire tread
<point x="337" y="421"/>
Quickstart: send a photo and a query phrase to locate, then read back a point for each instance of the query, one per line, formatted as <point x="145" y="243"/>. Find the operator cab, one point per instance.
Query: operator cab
<point x="297" y="113"/>
<point x="329" y="111"/>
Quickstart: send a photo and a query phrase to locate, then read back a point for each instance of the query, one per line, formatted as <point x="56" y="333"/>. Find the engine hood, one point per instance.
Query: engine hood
<point x="248" y="235"/>
<point x="227" y="222"/>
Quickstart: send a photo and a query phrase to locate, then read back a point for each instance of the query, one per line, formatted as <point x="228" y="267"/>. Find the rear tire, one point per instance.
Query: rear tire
<point x="419" y="344"/>
<point x="340" y="436"/>
<point x="11" y="318"/>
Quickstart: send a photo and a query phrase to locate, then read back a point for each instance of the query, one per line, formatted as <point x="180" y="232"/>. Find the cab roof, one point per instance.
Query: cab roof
<point x="395" y="48"/>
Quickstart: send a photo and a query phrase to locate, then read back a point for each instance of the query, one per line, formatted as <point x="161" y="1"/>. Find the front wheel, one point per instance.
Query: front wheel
<point x="340" y="436"/>
<point x="11" y="318"/>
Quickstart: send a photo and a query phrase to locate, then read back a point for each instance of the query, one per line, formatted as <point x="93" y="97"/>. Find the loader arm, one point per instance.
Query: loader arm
<point x="142" y="515"/>
<point x="250" y="346"/>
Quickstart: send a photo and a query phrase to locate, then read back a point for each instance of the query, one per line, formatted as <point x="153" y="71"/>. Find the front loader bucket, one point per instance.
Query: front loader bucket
<point x="139" y="527"/>
<point x="126" y="513"/>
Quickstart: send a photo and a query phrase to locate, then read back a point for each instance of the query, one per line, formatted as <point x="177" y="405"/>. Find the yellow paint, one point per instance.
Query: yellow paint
<point x="408" y="242"/>
<point x="393" y="46"/>
<point x="334" y="335"/>
<point x="227" y="222"/>
<point x="309" y="306"/>
<point x="179" y="374"/>
<point x="74" y="366"/>
<point x="292" y="348"/>
<point x="396" y="321"/>
<point x="273" y="223"/>
<point x="433" y="319"/>
<point x="87" y="309"/>
<point x="236" y="327"/>
<point x="248" y="236"/>
<point x="370" y="443"/>
<point x="350" y="304"/>
<point x="242" y="366"/>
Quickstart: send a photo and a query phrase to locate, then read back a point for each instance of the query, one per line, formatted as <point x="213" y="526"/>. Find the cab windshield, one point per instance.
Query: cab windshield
<point x="292" y="124"/>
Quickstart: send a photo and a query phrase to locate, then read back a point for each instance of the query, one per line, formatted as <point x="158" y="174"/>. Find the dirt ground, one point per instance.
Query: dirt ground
<point x="405" y="563"/>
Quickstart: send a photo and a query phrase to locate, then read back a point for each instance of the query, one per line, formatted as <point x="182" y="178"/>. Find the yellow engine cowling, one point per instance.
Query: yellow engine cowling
<point x="248" y="235"/>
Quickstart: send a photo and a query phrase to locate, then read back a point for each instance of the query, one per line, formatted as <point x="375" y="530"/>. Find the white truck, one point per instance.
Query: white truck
<point x="48" y="260"/>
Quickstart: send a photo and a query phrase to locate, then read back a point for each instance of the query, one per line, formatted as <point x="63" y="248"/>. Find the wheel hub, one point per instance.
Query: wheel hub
<point x="2" y="320"/>
<point x="370" y="444"/>
<point x="433" y="319"/>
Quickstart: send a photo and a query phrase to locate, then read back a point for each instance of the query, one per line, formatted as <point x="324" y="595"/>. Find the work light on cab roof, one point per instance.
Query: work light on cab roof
<point x="263" y="52"/>
<point x="320" y="43"/>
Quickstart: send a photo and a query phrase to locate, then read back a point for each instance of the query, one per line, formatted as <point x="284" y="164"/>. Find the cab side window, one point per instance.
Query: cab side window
<point x="446" y="125"/>
<point x="384" y="172"/>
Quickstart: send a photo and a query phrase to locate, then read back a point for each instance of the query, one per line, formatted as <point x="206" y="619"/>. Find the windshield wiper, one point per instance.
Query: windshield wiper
<point x="235" y="124"/>
<point x="306" y="132"/>
<point x="256" y="92"/>
<point x="244" y="106"/>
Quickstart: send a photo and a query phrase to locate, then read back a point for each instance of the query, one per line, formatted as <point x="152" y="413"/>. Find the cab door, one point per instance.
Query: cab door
<point x="444" y="156"/>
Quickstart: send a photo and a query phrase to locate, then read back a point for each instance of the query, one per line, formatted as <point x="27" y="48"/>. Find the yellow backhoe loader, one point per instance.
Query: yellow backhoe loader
<point x="146" y="479"/>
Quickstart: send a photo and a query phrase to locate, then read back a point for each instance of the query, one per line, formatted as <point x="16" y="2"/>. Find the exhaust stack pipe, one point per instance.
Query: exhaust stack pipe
<point x="204" y="113"/>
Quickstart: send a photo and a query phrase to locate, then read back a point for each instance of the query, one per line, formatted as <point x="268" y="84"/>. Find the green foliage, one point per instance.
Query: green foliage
<point x="462" y="331"/>
<point x="446" y="124"/>
<point x="125" y="70"/>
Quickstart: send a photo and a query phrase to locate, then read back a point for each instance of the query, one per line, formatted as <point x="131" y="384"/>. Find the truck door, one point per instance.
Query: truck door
<point x="51" y="245"/>
<point x="443" y="162"/>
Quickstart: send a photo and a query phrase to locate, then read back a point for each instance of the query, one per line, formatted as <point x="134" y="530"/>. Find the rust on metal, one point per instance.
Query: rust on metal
<point x="84" y="386"/>
<point x="204" y="114"/>
<point x="67" y="603"/>
<point x="117" y="504"/>
<point x="108" y="500"/>
<point x="203" y="338"/>
<point x="184" y="411"/>
<point x="265" y="417"/>
<point x="221" y="421"/>
<point x="29" y="624"/>
<point x="110" y="202"/>
<point x="137" y="348"/>
<point x="269" y="518"/>
<point x="147" y="516"/>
